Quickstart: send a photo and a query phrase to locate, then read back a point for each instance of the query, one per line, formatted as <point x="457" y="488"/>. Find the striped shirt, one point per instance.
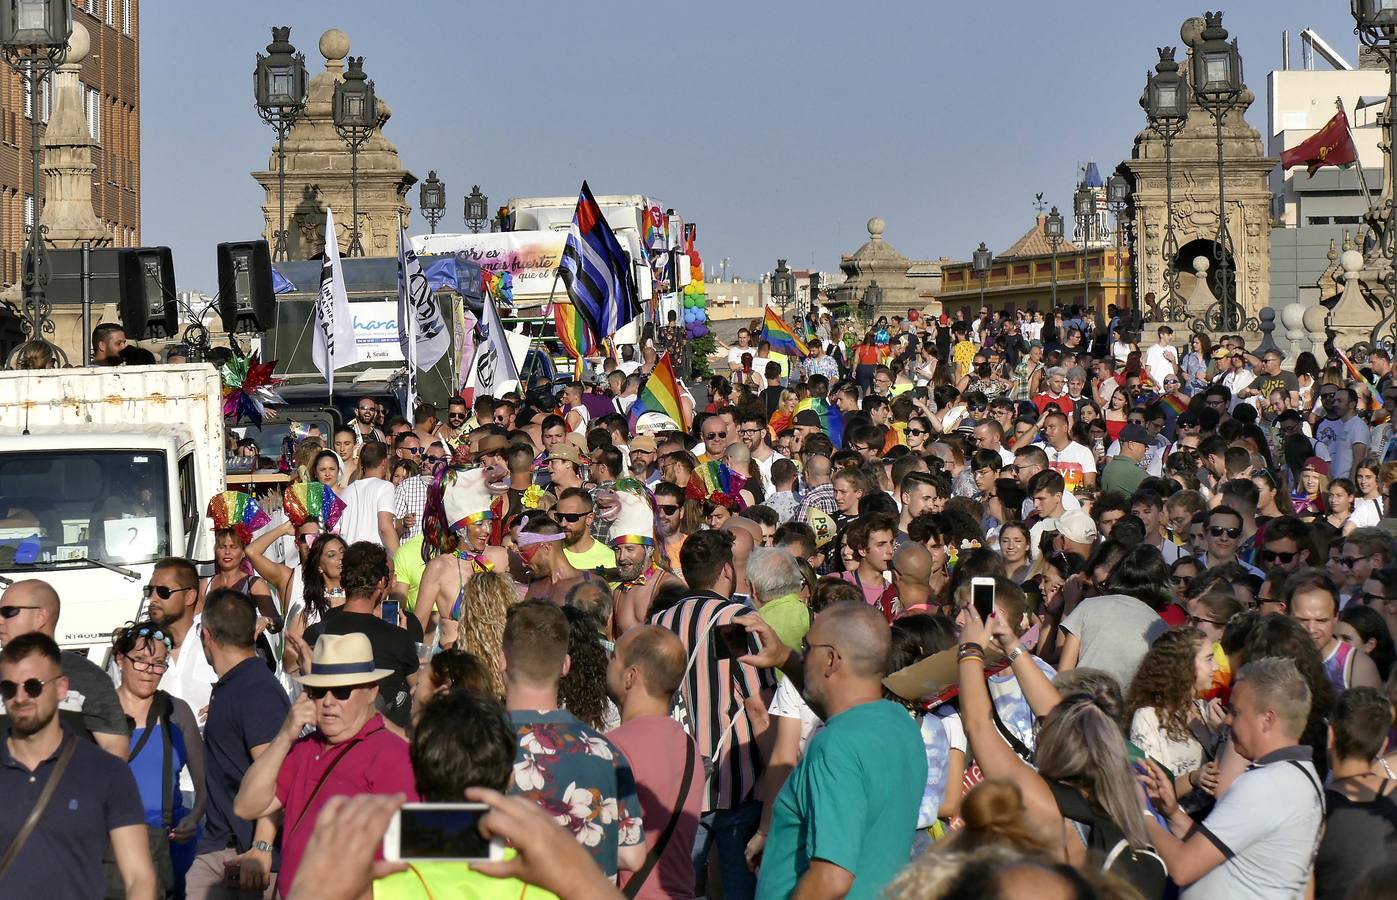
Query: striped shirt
<point x="408" y="500"/>
<point x="712" y="697"/>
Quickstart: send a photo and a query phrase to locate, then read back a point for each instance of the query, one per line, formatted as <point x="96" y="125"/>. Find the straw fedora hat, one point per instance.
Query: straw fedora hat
<point x="343" y="659"/>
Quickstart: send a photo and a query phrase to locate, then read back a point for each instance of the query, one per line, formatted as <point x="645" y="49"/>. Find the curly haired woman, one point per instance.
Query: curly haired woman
<point x="1168" y="720"/>
<point x="480" y="630"/>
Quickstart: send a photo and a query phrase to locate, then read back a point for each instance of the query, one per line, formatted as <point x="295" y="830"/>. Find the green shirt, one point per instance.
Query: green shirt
<point x="789" y="618"/>
<point x="457" y="880"/>
<point x="851" y="801"/>
<point x="408" y="568"/>
<point x="1122" y="474"/>
<point x="598" y="555"/>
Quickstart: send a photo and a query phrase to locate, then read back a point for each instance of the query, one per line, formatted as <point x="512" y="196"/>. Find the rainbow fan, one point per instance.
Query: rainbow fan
<point x="306" y="501"/>
<point x="238" y="511"/>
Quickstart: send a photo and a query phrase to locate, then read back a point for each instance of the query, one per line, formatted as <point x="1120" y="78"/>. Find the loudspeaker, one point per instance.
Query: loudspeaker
<point x="149" y="307"/>
<point x="245" y="296"/>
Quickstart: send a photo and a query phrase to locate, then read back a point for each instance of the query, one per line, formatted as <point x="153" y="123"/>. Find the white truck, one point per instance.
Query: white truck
<point x="103" y="472"/>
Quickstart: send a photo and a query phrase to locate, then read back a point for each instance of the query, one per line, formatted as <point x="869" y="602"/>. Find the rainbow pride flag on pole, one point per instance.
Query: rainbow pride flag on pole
<point x="660" y="394"/>
<point x="573" y="332"/>
<point x="782" y="338"/>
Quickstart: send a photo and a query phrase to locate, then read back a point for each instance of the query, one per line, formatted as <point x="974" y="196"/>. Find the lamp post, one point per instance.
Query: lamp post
<point x="1166" y="106"/>
<point x="432" y="199"/>
<point x="814" y="299"/>
<point x="1377" y="29"/>
<point x="477" y="210"/>
<point x="1084" y="209"/>
<point x="279" y="87"/>
<point x="355" y="113"/>
<point x="1053" y="228"/>
<point x="980" y="262"/>
<point x="783" y="286"/>
<point x="1117" y="195"/>
<point x="872" y="300"/>
<point x="34" y="40"/>
<point x="1217" y="86"/>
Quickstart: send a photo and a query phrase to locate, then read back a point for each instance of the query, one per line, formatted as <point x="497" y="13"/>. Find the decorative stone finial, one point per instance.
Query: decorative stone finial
<point x="1200" y="265"/>
<point x="79" y="45"/>
<point x="1191" y="32"/>
<point x="875" y="228"/>
<point x="1333" y="254"/>
<point x="334" y="46"/>
<point x="1352" y="261"/>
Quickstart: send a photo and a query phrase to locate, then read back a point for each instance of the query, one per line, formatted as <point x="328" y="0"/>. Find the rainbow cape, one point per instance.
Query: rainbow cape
<point x="660" y="394"/>
<point x="780" y="335"/>
<point x="573" y="332"/>
<point x="830" y="418"/>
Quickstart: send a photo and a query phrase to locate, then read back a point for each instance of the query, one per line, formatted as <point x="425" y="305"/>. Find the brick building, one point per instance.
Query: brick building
<point x="111" y="89"/>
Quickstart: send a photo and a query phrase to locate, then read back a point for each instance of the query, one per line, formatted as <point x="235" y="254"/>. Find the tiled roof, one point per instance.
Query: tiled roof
<point x="1035" y="242"/>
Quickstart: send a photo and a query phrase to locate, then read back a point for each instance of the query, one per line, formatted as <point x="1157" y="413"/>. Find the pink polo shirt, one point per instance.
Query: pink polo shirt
<point x="377" y="763"/>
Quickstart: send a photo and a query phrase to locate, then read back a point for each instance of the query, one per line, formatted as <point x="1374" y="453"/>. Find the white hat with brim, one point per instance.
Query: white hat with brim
<point x="342" y="659"/>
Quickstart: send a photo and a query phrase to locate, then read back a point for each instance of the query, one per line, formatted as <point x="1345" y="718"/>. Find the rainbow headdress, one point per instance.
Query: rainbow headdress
<point x="724" y="485"/>
<point x="830" y="418"/>
<point x="238" y="511"/>
<point x="311" y="500"/>
<point x="456" y="499"/>
<point x="781" y="336"/>
<point x="660" y="394"/>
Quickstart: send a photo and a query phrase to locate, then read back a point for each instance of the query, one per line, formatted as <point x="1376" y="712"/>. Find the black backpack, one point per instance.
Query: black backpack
<point x="1144" y="869"/>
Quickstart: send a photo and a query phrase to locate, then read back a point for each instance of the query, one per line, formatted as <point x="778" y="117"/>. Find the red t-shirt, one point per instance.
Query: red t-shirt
<point x="656" y="747"/>
<point x="1064" y="403"/>
<point x="377" y="764"/>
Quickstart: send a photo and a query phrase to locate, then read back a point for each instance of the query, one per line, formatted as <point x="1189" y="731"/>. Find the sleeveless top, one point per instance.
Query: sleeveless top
<point x="1338" y="665"/>
<point x="478" y="564"/>
<point x="1356" y="834"/>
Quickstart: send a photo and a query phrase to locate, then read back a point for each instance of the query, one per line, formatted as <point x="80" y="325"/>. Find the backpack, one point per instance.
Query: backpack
<point x="1104" y="840"/>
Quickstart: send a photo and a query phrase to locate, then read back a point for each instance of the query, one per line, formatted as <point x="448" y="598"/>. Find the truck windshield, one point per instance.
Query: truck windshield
<point x="58" y="509"/>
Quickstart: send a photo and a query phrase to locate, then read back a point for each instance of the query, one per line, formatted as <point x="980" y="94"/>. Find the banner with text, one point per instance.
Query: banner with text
<point x="530" y="257"/>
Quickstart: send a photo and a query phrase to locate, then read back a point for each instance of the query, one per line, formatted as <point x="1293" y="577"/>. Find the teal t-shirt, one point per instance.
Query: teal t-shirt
<point x="851" y="801"/>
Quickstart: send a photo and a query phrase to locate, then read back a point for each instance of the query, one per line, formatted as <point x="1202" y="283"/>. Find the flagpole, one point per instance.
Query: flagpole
<point x="1358" y="163"/>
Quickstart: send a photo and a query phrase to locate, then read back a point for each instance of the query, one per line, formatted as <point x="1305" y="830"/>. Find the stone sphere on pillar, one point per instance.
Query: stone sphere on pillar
<point x="334" y="45"/>
<point x="1352" y="263"/>
<point x="1315" y="319"/>
<point x="875" y="227"/>
<point x="79" y="45"/>
<point x="1293" y="318"/>
<point x="1200" y="266"/>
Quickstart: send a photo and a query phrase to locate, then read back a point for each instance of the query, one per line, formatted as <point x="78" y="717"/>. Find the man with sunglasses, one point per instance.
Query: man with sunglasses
<point x="89" y="700"/>
<point x="456" y="415"/>
<point x="364" y="424"/>
<point x="1342" y="432"/>
<point x="1366" y="550"/>
<point x="292" y="776"/>
<point x="716" y="437"/>
<point x="1224" y="527"/>
<point x="63" y="855"/>
<point x="172" y="599"/>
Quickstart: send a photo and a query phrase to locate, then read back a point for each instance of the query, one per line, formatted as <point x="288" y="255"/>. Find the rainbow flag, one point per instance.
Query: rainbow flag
<point x="1373" y="400"/>
<point x="1174" y="404"/>
<point x="830" y="418"/>
<point x="775" y="330"/>
<point x="660" y="394"/>
<point x="573" y="332"/>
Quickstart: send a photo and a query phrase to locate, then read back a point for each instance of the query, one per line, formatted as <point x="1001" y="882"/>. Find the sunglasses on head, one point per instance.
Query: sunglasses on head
<point x="165" y="593"/>
<point x="341" y="693"/>
<point x="32" y="686"/>
<point x="1219" y="531"/>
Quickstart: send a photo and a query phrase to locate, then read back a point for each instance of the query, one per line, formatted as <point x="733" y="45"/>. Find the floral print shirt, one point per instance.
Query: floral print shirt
<point x="579" y="777"/>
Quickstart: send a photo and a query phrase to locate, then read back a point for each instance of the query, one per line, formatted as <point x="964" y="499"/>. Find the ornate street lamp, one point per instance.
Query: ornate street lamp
<point x="1217" y="87"/>
<point x="34" y="40"/>
<point x="1084" y="209"/>
<point x="477" y="210"/>
<point x="355" y="113"/>
<point x="1166" y="106"/>
<point x="872" y="300"/>
<point x="1117" y="195"/>
<point x="783" y="286"/>
<point x="1377" y="29"/>
<point x="981" y="261"/>
<point x="279" y="87"/>
<point x="814" y="298"/>
<point x="1053" y="229"/>
<point x="432" y="199"/>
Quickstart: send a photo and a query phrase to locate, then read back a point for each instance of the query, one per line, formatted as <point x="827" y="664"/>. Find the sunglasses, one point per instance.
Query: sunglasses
<point x="1350" y="561"/>
<point x="1285" y="558"/>
<point x="9" y="612"/>
<point x="916" y="432"/>
<point x="667" y="509"/>
<point x="165" y="593"/>
<point x="341" y="693"/>
<point x="1219" y="531"/>
<point x="1169" y="381"/>
<point x="1196" y="620"/>
<point x="32" y="686"/>
<point x="454" y="416"/>
<point x="1182" y="581"/>
<point x="572" y="517"/>
<point x="715" y="436"/>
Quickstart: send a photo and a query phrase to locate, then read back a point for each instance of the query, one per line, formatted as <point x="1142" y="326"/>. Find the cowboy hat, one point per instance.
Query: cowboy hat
<point x="343" y="659"/>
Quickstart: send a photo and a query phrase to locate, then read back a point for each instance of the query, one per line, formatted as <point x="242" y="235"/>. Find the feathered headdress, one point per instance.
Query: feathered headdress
<point x="248" y="386"/>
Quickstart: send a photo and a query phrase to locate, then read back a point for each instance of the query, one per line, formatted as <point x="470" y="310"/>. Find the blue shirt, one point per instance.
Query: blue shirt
<point x="149" y="770"/>
<point x="63" y="857"/>
<point x="246" y="710"/>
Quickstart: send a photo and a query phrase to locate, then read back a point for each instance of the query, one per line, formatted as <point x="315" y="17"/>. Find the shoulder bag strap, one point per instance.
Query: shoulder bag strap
<point x="1010" y="737"/>
<point x="324" y="776"/>
<point x="45" y="796"/>
<point x="145" y="735"/>
<point x="653" y="857"/>
<point x="167" y="768"/>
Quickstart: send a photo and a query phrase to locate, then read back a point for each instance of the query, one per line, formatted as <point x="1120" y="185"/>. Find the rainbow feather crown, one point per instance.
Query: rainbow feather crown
<point x="312" y="500"/>
<point x="239" y="512"/>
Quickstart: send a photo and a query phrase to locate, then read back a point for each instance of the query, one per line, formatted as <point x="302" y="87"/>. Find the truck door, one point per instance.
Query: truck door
<point x="189" y="511"/>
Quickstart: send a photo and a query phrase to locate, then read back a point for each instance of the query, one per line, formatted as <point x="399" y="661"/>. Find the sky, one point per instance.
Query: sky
<point x="778" y="127"/>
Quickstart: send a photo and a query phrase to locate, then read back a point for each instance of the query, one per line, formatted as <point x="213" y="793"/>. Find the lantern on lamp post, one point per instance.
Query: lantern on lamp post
<point x="279" y="87"/>
<point x="1052" y="227"/>
<point x="354" y="110"/>
<point x="432" y="199"/>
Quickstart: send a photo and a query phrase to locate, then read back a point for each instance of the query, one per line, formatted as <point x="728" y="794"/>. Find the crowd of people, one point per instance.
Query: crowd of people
<point x="999" y="606"/>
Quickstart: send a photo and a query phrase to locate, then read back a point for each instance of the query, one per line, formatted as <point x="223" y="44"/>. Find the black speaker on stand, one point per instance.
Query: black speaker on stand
<point x="246" y="301"/>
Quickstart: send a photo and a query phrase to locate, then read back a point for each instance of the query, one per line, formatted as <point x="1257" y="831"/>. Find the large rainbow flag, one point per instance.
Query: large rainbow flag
<point x="780" y="335"/>
<point x="831" y="420"/>
<point x="573" y="332"/>
<point x="660" y="394"/>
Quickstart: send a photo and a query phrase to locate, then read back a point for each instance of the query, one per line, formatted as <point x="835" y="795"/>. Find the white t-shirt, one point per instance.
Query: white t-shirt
<point x="789" y="704"/>
<point x="1338" y="436"/>
<point x="1069" y="503"/>
<point x="363" y="501"/>
<point x="1159" y="361"/>
<point x="735" y="356"/>
<point x="1073" y="462"/>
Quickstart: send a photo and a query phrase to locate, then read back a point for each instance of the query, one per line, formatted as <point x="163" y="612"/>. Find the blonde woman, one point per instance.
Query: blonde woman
<point x="785" y="414"/>
<point x="480" y="628"/>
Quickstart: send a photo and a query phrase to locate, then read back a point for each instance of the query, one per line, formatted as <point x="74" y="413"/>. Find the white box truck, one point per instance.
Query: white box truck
<point x="102" y="472"/>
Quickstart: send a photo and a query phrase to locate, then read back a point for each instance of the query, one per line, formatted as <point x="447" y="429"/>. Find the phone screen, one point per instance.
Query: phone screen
<point x="733" y="641"/>
<point x="983" y="597"/>
<point x="441" y="832"/>
<point x="390" y="611"/>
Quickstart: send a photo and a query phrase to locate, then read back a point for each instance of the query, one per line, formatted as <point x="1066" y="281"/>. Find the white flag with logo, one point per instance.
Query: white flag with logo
<point x="419" y="315"/>
<point x="333" y="344"/>
<point x="495" y="371"/>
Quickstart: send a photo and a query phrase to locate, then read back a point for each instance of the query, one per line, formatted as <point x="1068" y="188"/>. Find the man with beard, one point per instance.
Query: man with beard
<point x="575" y="512"/>
<point x="463" y="520"/>
<point x="550" y="574"/>
<point x="863" y="793"/>
<point x="642" y="576"/>
<point x="172" y="598"/>
<point x="365" y="416"/>
<point x="62" y="857"/>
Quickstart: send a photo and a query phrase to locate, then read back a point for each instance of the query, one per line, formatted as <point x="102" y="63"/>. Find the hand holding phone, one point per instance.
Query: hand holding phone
<point x="982" y="595"/>
<point x="390" y="612"/>
<point x="439" y="832"/>
<point x="734" y="641"/>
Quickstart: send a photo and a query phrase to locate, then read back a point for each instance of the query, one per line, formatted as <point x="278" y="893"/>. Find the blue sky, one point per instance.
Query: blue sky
<point x="779" y="127"/>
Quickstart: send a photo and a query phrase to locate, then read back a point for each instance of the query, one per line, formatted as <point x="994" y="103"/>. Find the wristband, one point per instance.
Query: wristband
<point x="1015" y="653"/>
<point x="971" y="647"/>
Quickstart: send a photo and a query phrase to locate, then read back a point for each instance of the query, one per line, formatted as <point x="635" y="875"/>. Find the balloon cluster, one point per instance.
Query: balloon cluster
<point x="695" y="294"/>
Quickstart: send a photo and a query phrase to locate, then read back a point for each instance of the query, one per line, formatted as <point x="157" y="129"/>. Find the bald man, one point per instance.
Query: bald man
<point x="746" y="536"/>
<point x="91" y="704"/>
<point x="861" y="777"/>
<point x="912" y="567"/>
<point x="642" y="678"/>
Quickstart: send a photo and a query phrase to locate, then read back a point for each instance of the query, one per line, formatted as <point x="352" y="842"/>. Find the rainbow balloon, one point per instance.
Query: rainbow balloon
<point x="238" y="511"/>
<point x="312" y="500"/>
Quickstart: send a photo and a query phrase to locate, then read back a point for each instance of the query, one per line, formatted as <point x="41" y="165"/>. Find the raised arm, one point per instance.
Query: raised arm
<point x="278" y="574"/>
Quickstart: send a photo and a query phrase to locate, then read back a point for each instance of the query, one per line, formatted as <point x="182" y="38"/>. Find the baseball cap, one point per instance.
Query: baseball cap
<point x="644" y="442"/>
<point x="1134" y="434"/>
<point x="1319" y="465"/>
<point x="808" y="418"/>
<point x="1077" y="527"/>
